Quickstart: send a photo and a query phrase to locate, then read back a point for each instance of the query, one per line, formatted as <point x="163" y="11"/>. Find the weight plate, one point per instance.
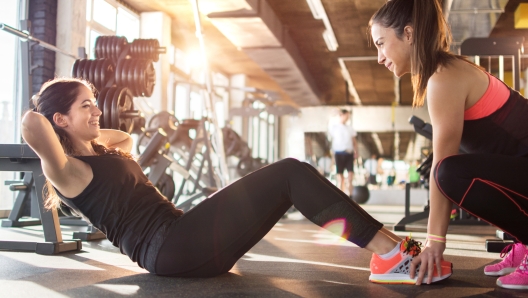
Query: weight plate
<point x="86" y="70"/>
<point x="153" y="50"/>
<point x="102" y="47"/>
<point x="146" y="51"/>
<point x="121" y="45"/>
<point x="124" y="73"/>
<point x="97" y="48"/>
<point x="108" y="107"/>
<point x="150" y="74"/>
<point x="120" y="106"/>
<point x="108" y="47"/>
<point x="97" y="74"/>
<point x="115" y="111"/>
<point x="132" y="122"/>
<point x="142" y="79"/>
<point x="133" y="49"/>
<point x="131" y="84"/>
<point x="100" y="106"/>
<point x="109" y="72"/>
<point x="80" y="68"/>
<point x="138" y="84"/>
<point x="116" y="48"/>
<point x="74" y="68"/>
<point x="119" y="67"/>
<point x="102" y="71"/>
<point x="91" y="73"/>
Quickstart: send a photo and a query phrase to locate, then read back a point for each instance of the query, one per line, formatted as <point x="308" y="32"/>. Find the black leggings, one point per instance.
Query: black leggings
<point x="210" y="238"/>
<point x="489" y="186"/>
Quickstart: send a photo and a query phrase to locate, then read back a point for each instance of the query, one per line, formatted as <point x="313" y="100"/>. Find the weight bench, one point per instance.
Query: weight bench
<point x="21" y="158"/>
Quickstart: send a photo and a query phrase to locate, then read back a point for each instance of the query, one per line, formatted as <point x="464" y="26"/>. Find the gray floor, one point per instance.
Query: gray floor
<point x="296" y="259"/>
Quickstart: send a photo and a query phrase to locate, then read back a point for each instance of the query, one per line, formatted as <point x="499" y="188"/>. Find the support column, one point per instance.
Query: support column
<point x="238" y="124"/>
<point x="158" y="25"/>
<point x="43" y="17"/>
<point x="71" y="33"/>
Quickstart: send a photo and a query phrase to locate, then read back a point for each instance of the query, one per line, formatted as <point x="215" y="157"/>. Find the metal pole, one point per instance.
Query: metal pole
<point x="218" y="138"/>
<point x="407" y="199"/>
<point x="25" y="37"/>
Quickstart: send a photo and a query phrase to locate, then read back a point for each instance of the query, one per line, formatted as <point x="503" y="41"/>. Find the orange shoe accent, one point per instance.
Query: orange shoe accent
<point x="396" y="270"/>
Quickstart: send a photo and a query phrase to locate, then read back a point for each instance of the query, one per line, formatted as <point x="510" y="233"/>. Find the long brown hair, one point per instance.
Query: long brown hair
<point x="57" y="96"/>
<point x="431" y="38"/>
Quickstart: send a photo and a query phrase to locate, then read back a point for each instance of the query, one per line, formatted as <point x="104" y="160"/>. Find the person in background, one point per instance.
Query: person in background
<point x="414" y="176"/>
<point x="345" y="148"/>
<point x="372" y="167"/>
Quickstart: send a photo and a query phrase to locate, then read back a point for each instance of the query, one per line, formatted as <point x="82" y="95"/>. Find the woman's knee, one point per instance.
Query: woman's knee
<point x="451" y="175"/>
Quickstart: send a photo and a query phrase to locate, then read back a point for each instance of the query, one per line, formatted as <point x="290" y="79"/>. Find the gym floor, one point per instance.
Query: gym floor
<point x="296" y="259"/>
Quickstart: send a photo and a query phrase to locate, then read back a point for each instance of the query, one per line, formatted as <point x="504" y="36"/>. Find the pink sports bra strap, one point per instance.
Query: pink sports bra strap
<point x="493" y="99"/>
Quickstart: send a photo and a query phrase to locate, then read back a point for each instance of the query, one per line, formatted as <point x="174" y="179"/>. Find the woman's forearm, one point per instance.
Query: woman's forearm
<point x="34" y="128"/>
<point x="439" y="210"/>
<point x="115" y="139"/>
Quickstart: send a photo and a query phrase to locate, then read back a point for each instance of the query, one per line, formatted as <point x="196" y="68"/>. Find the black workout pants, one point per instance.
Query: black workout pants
<point x="210" y="238"/>
<point x="489" y="186"/>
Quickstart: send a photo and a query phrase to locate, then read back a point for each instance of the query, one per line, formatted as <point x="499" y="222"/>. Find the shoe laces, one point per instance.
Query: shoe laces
<point x="411" y="246"/>
<point x="508" y="252"/>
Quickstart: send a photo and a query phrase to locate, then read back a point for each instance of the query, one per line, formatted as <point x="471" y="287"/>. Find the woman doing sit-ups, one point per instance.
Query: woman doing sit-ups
<point x="91" y="170"/>
<point x="470" y="110"/>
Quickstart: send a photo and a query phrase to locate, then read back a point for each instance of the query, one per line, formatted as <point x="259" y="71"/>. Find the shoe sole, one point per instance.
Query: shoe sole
<point x="500" y="272"/>
<point x="514" y="287"/>
<point x="397" y="278"/>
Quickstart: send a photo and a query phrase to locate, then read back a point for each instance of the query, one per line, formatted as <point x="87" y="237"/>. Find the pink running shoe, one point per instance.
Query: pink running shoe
<point x="517" y="280"/>
<point x="511" y="260"/>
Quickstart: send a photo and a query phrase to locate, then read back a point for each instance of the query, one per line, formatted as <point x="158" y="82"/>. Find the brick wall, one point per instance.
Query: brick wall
<point x="43" y="17"/>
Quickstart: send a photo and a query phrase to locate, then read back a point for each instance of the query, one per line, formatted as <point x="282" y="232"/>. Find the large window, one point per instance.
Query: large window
<point x="8" y="74"/>
<point x="108" y="17"/>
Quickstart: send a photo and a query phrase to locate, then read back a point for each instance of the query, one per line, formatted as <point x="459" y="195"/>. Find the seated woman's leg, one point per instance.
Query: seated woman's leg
<point x="210" y="238"/>
<point x="491" y="187"/>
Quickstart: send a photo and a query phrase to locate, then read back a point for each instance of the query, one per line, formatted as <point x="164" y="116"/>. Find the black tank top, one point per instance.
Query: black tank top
<point x="505" y="131"/>
<point x="122" y="203"/>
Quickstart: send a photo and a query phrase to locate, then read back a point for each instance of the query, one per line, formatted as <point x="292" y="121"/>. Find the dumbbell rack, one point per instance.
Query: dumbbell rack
<point x="121" y="71"/>
<point x="20" y="158"/>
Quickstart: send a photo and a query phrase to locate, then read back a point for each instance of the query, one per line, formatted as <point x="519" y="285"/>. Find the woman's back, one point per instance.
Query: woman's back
<point x="122" y="203"/>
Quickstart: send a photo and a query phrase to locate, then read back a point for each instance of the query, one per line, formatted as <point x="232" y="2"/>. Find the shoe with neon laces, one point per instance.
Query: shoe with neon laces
<point x="518" y="279"/>
<point x="396" y="270"/>
<point x="512" y="260"/>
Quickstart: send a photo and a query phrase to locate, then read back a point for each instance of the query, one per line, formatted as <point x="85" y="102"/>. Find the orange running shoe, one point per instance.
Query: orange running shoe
<point x="396" y="270"/>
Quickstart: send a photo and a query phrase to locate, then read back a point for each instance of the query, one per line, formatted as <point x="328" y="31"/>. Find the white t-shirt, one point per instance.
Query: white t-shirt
<point x="341" y="136"/>
<point x="371" y="165"/>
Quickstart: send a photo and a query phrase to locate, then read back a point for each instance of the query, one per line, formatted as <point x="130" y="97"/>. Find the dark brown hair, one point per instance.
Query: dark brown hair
<point x="57" y="96"/>
<point x="431" y="37"/>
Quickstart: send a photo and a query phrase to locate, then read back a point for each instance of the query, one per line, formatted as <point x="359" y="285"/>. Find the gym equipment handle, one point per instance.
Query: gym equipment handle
<point x="14" y="31"/>
<point x="130" y="114"/>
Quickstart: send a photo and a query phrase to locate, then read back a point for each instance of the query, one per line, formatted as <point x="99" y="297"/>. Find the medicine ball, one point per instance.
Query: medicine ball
<point x="360" y="194"/>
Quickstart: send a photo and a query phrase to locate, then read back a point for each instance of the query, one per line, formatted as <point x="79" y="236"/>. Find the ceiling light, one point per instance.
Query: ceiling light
<point x="330" y="40"/>
<point x="317" y="9"/>
<point x="319" y="13"/>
